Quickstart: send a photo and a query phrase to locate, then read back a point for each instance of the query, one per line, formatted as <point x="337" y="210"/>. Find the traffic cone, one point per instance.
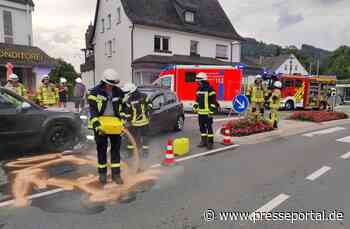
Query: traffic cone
<point x="227" y="137"/>
<point x="169" y="157"/>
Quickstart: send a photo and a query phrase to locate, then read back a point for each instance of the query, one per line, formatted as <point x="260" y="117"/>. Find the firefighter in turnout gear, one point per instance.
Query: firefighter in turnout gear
<point x="15" y="86"/>
<point x="136" y="109"/>
<point x="274" y="103"/>
<point x="256" y="95"/>
<point x="48" y="93"/>
<point x="205" y="106"/>
<point x="105" y="103"/>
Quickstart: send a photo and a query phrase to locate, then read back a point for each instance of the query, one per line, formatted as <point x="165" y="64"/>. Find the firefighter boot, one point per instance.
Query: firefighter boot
<point x="210" y="144"/>
<point x="116" y="178"/>
<point x="204" y="142"/>
<point x="103" y="178"/>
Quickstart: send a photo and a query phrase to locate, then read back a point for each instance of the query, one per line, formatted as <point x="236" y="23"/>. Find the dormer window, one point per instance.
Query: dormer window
<point x="189" y="17"/>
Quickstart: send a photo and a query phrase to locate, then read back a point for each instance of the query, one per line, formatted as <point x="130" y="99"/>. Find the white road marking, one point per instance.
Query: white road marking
<point x="318" y="173"/>
<point x="35" y="196"/>
<point x="90" y="137"/>
<point x="200" y="155"/>
<point x="324" y="132"/>
<point x="345" y="156"/>
<point x="271" y="205"/>
<point x="226" y="119"/>
<point x="54" y="191"/>
<point x="344" y="140"/>
<point x="190" y="115"/>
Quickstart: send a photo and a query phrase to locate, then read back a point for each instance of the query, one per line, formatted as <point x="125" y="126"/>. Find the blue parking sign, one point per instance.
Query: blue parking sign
<point x="240" y="104"/>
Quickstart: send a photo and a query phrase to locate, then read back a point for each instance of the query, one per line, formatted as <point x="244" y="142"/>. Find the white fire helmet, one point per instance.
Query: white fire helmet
<point x="110" y="77"/>
<point x="202" y="76"/>
<point x="63" y="80"/>
<point x="78" y="80"/>
<point x="277" y="84"/>
<point x="45" y="77"/>
<point x="258" y="77"/>
<point x="129" y="88"/>
<point x="13" y="77"/>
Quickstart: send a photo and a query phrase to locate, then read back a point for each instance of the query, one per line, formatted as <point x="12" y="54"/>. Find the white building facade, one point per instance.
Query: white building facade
<point x="291" y="65"/>
<point x="16" y="45"/>
<point x="16" y="22"/>
<point x="131" y="41"/>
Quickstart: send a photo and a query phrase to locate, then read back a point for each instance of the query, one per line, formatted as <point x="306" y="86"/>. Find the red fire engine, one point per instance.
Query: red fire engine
<point x="307" y="92"/>
<point x="226" y="81"/>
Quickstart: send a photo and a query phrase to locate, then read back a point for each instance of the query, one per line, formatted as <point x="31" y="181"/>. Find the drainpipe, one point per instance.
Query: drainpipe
<point x="231" y="54"/>
<point x="132" y="51"/>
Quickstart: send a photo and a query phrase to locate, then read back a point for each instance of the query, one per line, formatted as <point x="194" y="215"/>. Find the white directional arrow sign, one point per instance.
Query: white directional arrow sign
<point x="241" y="104"/>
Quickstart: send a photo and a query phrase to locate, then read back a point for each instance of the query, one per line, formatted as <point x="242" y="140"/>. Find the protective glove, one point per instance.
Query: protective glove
<point x="98" y="128"/>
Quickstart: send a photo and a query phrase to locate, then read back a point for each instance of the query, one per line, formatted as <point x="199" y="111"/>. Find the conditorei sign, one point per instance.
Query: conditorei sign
<point x="24" y="56"/>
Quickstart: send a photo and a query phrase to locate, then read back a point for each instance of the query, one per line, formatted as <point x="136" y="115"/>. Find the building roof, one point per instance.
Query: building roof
<point x="271" y="63"/>
<point x="210" y="18"/>
<point x="26" y="56"/>
<point x="179" y="59"/>
<point x="24" y="2"/>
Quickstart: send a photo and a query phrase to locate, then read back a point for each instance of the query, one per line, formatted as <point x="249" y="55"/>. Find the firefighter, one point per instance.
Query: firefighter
<point x="136" y="109"/>
<point x="256" y="95"/>
<point x="15" y="86"/>
<point x="105" y="102"/>
<point x="274" y="103"/>
<point x="205" y="106"/>
<point x="48" y="93"/>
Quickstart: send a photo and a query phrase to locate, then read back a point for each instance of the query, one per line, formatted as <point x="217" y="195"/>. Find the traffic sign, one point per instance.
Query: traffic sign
<point x="240" y="104"/>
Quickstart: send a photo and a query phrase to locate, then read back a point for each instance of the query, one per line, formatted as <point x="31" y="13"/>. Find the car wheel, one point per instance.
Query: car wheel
<point x="59" y="138"/>
<point x="180" y="123"/>
<point x="289" y="105"/>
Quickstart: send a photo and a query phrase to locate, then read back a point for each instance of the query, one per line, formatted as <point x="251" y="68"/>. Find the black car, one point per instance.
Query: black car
<point x="168" y="112"/>
<point x="25" y="126"/>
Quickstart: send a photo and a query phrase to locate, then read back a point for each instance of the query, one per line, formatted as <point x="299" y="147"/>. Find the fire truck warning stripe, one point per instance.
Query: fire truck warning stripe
<point x="324" y="132"/>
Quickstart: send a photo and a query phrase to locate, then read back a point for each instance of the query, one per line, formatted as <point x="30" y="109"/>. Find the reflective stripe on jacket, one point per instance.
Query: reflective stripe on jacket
<point x="257" y="94"/>
<point x="48" y="95"/>
<point x="275" y="99"/>
<point x="137" y="108"/>
<point x="19" y="89"/>
<point x="98" y="99"/>
<point x="206" y="103"/>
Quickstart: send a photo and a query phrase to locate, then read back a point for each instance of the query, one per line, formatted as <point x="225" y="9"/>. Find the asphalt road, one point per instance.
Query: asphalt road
<point x="282" y="175"/>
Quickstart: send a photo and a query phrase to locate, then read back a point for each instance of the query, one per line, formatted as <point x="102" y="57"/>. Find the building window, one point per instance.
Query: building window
<point x="106" y="48"/>
<point x="109" y="23"/>
<point x="8" y="27"/>
<point x="190" y="77"/>
<point x="221" y="51"/>
<point x="189" y="16"/>
<point x="119" y="16"/>
<point x="9" y="40"/>
<point x="194" y="48"/>
<point x="109" y="48"/>
<point x="161" y="44"/>
<point x="102" y="25"/>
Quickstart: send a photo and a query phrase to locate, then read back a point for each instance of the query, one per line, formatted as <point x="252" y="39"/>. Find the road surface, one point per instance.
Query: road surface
<point x="295" y="174"/>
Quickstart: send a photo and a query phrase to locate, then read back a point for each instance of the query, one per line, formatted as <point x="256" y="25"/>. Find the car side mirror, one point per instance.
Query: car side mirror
<point x="25" y="107"/>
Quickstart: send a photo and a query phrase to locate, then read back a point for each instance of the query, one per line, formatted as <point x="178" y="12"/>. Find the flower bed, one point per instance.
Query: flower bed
<point x="317" y="116"/>
<point x="245" y="127"/>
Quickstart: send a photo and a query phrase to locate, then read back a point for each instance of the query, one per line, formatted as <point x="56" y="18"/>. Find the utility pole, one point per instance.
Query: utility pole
<point x="318" y="66"/>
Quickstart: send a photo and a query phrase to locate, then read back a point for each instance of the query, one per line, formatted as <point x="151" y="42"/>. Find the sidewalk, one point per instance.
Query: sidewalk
<point x="287" y="128"/>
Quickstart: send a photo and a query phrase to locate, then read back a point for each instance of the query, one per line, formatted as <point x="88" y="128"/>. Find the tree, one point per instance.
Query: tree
<point x="65" y="70"/>
<point x="339" y="63"/>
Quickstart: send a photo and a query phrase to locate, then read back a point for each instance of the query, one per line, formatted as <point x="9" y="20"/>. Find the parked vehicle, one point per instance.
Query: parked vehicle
<point x="181" y="79"/>
<point x="306" y="92"/>
<point x="25" y="126"/>
<point x="168" y="112"/>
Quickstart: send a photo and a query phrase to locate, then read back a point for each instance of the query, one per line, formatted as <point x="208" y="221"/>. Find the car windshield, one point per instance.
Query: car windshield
<point x="9" y="101"/>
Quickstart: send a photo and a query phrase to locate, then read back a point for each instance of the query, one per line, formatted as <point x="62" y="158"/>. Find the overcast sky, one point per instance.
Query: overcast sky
<point x="59" y="27"/>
